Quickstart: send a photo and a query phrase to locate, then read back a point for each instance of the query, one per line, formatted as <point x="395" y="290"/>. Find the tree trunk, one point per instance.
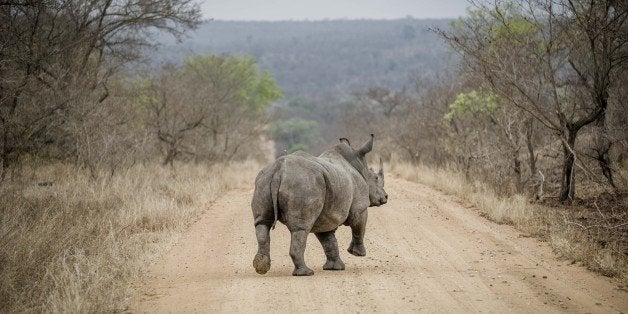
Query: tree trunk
<point x="568" y="184"/>
<point x="604" y="160"/>
<point x="6" y="163"/>
<point x="5" y="170"/>
<point x="467" y="170"/>
<point x="530" y="145"/>
<point x="602" y="149"/>
<point x="519" y="180"/>
<point x="170" y="154"/>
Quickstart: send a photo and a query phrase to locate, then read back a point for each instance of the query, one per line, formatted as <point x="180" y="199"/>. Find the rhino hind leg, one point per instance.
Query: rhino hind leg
<point x="261" y="262"/>
<point x="297" y="248"/>
<point x="330" y="246"/>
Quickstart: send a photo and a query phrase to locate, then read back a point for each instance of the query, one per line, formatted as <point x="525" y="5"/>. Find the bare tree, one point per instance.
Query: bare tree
<point x="56" y="56"/>
<point x="598" y="55"/>
<point x="527" y="52"/>
<point x="173" y="112"/>
<point x="419" y="128"/>
<point x="386" y="99"/>
<point x="209" y="108"/>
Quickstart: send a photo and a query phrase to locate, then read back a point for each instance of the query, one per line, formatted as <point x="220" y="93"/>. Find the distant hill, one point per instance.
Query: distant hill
<point x="316" y="59"/>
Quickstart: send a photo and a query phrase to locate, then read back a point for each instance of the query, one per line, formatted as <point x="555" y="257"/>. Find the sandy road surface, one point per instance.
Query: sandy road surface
<point x="425" y="252"/>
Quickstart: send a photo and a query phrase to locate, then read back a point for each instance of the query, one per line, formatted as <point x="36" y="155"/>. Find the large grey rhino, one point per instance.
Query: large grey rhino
<point x="316" y="195"/>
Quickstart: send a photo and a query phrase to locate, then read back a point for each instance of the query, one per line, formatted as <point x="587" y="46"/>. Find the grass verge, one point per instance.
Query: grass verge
<point x="69" y="243"/>
<point x="595" y="238"/>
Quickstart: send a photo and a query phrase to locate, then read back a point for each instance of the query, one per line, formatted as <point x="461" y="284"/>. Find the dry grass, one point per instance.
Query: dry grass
<point x="593" y="246"/>
<point x="76" y="245"/>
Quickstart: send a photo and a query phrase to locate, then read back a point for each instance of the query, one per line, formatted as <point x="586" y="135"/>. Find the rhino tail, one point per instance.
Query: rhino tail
<point x="275" y="182"/>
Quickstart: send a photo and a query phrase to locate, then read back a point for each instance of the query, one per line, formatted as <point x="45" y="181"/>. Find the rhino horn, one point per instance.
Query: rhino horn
<point x="345" y="140"/>
<point x="367" y="147"/>
<point x="381" y="167"/>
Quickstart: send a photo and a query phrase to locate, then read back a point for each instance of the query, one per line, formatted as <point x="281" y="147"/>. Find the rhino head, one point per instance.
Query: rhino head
<point x="357" y="159"/>
<point x="377" y="195"/>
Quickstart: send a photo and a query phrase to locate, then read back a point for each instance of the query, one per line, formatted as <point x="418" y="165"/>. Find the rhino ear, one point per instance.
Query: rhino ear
<point x="345" y="140"/>
<point x="367" y="147"/>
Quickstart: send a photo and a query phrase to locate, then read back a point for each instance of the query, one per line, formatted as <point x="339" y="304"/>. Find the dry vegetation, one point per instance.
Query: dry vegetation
<point x="73" y="244"/>
<point x="85" y="203"/>
<point x="531" y="127"/>
<point x="597" y="239"/>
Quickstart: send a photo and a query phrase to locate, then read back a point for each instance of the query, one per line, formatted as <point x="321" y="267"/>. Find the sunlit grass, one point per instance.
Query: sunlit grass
<point x="78" y="244"/>
<point x="553" y="225"/>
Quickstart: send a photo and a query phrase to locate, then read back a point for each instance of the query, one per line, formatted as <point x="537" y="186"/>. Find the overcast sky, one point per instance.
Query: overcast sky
<point x="274" y="10"/>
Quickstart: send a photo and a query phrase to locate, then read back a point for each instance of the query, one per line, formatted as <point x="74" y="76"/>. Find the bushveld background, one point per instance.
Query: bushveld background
<point x="110" y="148"/>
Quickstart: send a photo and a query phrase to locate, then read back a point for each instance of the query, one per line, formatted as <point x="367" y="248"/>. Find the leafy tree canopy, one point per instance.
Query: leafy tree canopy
<point x="473" y="102"/>
<point x="235" y="79"/>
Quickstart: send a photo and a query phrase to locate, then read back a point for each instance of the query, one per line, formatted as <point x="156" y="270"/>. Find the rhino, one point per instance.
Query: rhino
<point x="316" y="195"/>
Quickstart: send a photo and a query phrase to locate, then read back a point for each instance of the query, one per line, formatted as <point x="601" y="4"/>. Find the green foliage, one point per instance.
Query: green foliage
<point x="265" y="91"/>
<point x="515" y="27"/>
<point x="472" y="103"/>
<point x="296" y="134"/>
<point x="254" y="90"/>
<point x="504" y="25"/>
<point x="297" y="147"/>
<point x="140" y="90"/>
<point x="517" y="32"/>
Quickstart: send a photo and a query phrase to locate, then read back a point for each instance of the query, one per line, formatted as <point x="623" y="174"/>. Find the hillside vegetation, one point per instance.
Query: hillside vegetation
<point x="101" y="168"/>
<point x="315" y="59"/>
<point x="103" y="154"/>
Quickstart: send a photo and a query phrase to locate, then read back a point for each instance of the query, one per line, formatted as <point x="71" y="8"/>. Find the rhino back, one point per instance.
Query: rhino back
<point x="301" y="193"/>
<point x="316" y="193"/>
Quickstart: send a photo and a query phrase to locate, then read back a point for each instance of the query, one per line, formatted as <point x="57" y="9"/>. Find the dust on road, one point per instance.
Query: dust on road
<point x="425" y="252"/>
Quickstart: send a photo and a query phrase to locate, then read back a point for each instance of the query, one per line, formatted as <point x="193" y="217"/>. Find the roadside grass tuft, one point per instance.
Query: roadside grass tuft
<point x="575" y="233"/>
<point x="75" y="244"/>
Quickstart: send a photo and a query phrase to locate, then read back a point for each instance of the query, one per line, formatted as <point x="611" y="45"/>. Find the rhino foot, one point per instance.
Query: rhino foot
<point x="261" y="263"/>
<point x="357" y="249"/>
<point x="303" y="271"/>
<point x="334" y="265"/>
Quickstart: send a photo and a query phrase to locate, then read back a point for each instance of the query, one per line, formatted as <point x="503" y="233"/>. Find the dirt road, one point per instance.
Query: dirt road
<point x="425" y="252"/>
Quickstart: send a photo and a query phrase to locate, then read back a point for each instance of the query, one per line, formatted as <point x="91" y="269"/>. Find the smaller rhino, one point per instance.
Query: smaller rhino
<point x="316" y="195"/>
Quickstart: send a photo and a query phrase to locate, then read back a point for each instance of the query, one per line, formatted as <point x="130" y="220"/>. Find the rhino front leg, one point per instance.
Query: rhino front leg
<point x="297" y="248"/>
<point x="357" y="241"/>
<point x="330" y="246"/>
<point x="261" y="262"/>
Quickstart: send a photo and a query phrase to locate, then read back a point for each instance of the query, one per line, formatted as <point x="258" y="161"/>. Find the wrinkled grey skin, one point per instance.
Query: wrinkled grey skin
<point x="316" y="195"/>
